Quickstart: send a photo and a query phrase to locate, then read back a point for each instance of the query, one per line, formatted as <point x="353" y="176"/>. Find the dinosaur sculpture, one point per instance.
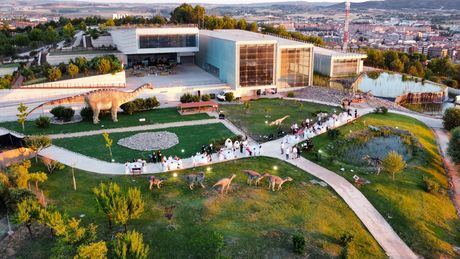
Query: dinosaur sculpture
<point x="155" y="182"/>
<point x="278" y="121"/>
<point x="276" y="180"/>
<point x="224" y="183"/>
<point x="193" y="179"/>
<point x="253" y="175"/>
<point x="98" y="100"/>
<point x="374" y="161"/>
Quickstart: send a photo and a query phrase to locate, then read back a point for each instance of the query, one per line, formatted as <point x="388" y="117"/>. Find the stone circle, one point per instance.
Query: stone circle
<point x="148" y="141"/>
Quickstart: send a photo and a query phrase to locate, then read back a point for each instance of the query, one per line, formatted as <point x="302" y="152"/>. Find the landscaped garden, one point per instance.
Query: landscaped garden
<point x="124" y="120"/>
<point x="190" y="138"/>
<point x="255" y="117"/>
<point x="248" y="222"/>
<point x="415" y="203"/>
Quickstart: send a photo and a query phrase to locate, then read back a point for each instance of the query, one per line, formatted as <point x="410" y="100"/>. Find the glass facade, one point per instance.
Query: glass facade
<point x="167" y="41"/>
<point x="256" y="64"/>
<point x="346" y="67"/>
<point x="295" y="67"/>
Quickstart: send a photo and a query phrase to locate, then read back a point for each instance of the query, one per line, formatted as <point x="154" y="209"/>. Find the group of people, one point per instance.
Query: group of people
<point x="310" y="128"/>
<point x="138" y="167"/>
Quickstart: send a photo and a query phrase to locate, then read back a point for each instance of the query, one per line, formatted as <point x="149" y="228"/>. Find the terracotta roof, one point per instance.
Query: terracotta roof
<point x="198" y="104"/>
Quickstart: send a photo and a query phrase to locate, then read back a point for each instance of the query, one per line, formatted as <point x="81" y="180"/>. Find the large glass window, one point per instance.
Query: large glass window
<point x="344" y="67"/>
<point x="295" y="67"/>
<point x="256" y="65"/>
<point x="167" y="41"/>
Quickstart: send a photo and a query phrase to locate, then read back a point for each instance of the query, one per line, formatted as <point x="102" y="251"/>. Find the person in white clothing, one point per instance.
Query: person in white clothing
<point x="287" y="153"/>
<point x="294" y="152"/>
<point x="282" y="147"/>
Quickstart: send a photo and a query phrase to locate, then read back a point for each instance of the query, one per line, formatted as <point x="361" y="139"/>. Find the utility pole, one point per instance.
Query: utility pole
<point x="346" y="26"/>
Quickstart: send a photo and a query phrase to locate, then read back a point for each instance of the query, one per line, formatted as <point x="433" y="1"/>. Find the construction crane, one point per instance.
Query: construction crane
<point x="346" y="26"/>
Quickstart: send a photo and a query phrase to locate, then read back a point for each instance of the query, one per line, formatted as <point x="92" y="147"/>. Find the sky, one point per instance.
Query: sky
<point x="213" y="1"/>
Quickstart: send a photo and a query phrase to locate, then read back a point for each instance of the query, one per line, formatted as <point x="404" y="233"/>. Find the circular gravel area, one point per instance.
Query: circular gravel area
<point x="148" y="141"/>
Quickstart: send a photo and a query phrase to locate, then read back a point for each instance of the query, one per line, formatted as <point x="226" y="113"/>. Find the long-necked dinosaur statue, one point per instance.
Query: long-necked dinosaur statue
<point x="101" y="99"/>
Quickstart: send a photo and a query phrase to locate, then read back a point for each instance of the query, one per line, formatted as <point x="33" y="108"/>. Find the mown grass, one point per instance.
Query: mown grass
<point x="255" y="120"/>
<point x="255" y="222"/>
<point x="426" y="222"/>
<point x="191" y="139"/>
<point x="124" y="120"/>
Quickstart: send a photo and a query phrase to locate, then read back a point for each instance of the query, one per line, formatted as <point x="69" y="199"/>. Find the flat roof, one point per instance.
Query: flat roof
<point x="337" y="54"/>
<point x="150" y="26"/>
<point x="248" y="36"/>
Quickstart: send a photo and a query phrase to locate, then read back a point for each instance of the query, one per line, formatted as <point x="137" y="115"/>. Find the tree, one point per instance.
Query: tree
<point x="82" y="26"/>
<point x="454" y="145"/>
<point x="451" y="118"/>
<point x="108" y="143"/>
<point x="103" y="66"/>
<point x="20" y="174"/>
<point x="22" y="115"/>
<point x="28" y="213"/>
<point x="396" y="65"/>
<point x="52" y="165"/>
<point x="68" y="30"/>
<point x="72" y="70"/>
<point x="54" y="74"/>
<point x="393" y="163"/>
<point x="37" y="177"/>
<point x="37" y="143"/>
<point x="95" y="250"/>
<point x="135" y="203"/>
<point x="253" y="27"/>
<point x="130" y="245"/>
<point x="109" y="23"/>
<point x="105" y="194"/>
<point x="242" y="24"/>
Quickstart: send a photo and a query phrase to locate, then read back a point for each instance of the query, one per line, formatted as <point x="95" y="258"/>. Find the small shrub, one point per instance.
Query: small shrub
<point x="62" y="113"/>
<point x="454" y="145"/>
<point x="42" y="122"/>
<point x="451" y="118"/>
<point x="430" y="185"/>
<point x="290" y="94"/>
<point x="346" y="239"/>
<point x="298" y="241"/>
<point x="381" y="110"/>
<point x="333" y="133"/>
<point x="205" y="97"/>
<point x="229" y="96"/>
<point x="129" y="107"/>
<point x="57" y="111"/>
<point x="151" y="103"/>
<point x="86" y="113"/>
<point x="188" y="98"/>
<point x="67" y="114"/>
<point x="139" y="104"/>
<point x="212" y="96"/>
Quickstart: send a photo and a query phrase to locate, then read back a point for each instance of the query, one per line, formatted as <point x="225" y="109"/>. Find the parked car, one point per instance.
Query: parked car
<point x="221" y="95"/>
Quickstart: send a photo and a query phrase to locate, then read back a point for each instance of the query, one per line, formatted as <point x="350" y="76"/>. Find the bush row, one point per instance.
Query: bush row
<point x="63" y="113"/>
<point x="140" y="104"/>
<point x="190" y="98"/>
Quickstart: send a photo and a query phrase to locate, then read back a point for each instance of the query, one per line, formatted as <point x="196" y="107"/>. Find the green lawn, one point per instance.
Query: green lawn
<point x="255" y="222"/>
<point x="124" y="120"/>
<point x="426" y="222"/>
<point x="255" y="120"/>
<point x="191" y="138"/>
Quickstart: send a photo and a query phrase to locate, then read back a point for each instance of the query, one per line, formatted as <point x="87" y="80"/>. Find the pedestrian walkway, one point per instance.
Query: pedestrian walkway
<point x="136" y="128"/>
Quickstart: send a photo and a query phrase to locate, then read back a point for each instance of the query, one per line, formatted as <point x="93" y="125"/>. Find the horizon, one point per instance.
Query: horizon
<point x="229" y="2"/>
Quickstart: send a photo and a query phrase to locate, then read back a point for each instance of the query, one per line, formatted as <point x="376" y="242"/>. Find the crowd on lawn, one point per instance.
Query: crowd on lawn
<point x="308" y="129"/>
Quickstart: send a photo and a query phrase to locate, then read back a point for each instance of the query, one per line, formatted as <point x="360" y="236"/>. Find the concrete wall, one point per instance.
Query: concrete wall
<point x="127" y="40"/>
<point x="63" y="57"/>
<point x="221" y="54"/>
<point x="102" y="41"/>
<point x="7" y="70"/>
<point x="107" y="80"/>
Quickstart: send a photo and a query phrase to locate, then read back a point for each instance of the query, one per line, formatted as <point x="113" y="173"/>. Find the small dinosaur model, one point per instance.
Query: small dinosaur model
<point x="276" y="180"/>
<point x="224" y="183"/>
<point x="98" y="100"/>
<point x="193" y="179"/>
<point x="278" y="121"/>
<point x="155" y="182"/>
<point x="253" y="175"/>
